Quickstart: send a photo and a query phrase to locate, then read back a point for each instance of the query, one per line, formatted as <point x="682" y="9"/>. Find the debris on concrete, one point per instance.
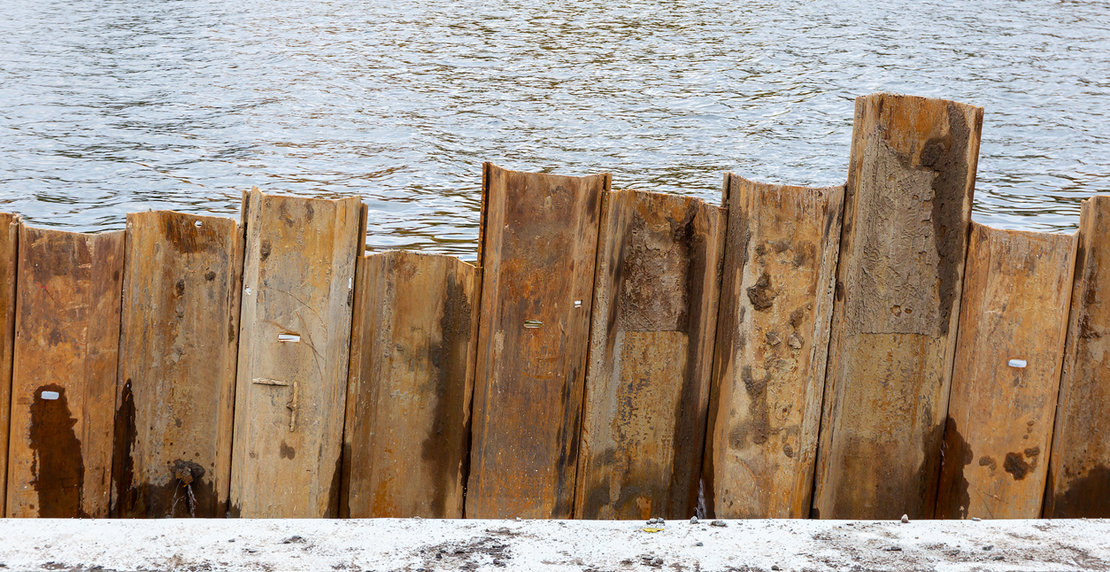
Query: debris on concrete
<point x="528" y="545"/>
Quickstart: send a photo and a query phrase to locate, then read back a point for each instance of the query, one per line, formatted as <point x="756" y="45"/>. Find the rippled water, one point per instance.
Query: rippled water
<point x="111" y="106"/>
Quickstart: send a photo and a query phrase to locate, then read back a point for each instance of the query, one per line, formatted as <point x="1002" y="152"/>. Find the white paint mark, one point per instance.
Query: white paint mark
<point x="198" y="224"/>
<point x="50" y="395"/>
<point x="1019" y="363"/>
<point x="350" y="282"/>
<point x="247" y="290"/>
<point x="288" y="338"/>
<point x="532" y="324"/>
<point x="577" y="303"/>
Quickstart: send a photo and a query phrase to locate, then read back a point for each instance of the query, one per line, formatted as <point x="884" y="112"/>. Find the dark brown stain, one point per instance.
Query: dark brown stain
<point x="179" y="287"/>
<point x="58" y="470"/>
<point x="953" y="498"/>
<point x="731" y="313"/>
<point x="283" y="212"/>
<point x="757" y="429"/>
<point x="185" y="491"/>
<point x="123" y="466"/>
<point x="626" y="506"/>
<point x="48" y="255"/>
<point x="693" y="234"/>
<point x="551" y="228"/>
<point x="1085" y="271"/>
<point x="760" y="294"/>
<point x="805" y="253"/>
<point x="344" y="509"/>
<point x="948" y="157"/>
<point x="797" y="317"/>
<point x="567" y="439"/>
<point x="780" y="246"/>
<point x="442" y="452"/>
<point x="264" y="249"/>
<point x="210" y="276"/>
<point x="186" y="237"/>
<point x="599" y="495"/>
<point x="336" y="487"/>
<point x="1016" y="465"/>
<point x="988" y="461"/>
<point x="639" y="297"/>
<point x="286" y="452"/>
<point x="1086" y="497"/>
<point x="932" y="443"/>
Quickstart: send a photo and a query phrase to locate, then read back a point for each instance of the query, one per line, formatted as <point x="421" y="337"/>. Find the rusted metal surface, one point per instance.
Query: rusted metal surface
<point x="1013" y="318"/>
<point x="538" y="248"/>
<point x="772" y="343"/>
<point x="294" y="344"/>
<point x="64" y="373"/>
<point x="9" y="243"/>
<point x="1079" y="467"/>
<point x="180" y="332"/>
<point x="907" y="209"/>
<point x="411" y="379"/>
<point x="651" y="343"/>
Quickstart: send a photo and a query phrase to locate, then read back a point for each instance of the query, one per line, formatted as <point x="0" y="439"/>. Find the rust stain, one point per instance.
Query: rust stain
<point x="440" y="450"/>
<point x="1086" y="497"/>
<point x="761" y="295"/>
<point x="123" y="465"/>
<point x="336" y="486"/>
<point x="50" y="257"/>
<point x="953" y="497"/>
<point x="188" y="238"/>
<point x="58" y="471"/>
<point x="1016" y="465"/>
<point x="947" y="157"/>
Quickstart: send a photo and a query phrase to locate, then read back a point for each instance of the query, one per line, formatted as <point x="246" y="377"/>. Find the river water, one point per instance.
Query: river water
<point x="114" y="106"/>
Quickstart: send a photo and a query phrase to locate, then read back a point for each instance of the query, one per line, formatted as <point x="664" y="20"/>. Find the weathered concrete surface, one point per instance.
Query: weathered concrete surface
<point x="415" y="544"/>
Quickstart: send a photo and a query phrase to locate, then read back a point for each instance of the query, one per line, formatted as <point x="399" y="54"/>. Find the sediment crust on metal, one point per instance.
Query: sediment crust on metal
<point x="508" y="545"/>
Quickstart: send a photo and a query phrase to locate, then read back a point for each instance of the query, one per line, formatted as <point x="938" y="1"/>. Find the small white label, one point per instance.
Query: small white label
<point x="1019" y="363"/>
<point x="577" y="303"/>
<point x="50" y="395"/>
<point x="532" y="324"/>
<point x="198" y="224"/>
<point x="350" y="282"/>
<point x="288" y="338"/>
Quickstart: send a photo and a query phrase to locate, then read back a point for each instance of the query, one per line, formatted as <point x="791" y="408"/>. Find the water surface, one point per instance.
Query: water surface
<point x="114" y="106"/>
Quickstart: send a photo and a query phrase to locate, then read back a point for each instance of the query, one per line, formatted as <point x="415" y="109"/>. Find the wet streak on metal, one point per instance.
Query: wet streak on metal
<point x="177" y="365"/>
<point x="1079" y="465"/>
<point x="1013" y="317"/>
<point x="538" y="252"/>
<point x="409" y="395"/>
<point x="906" y="217"/>
<point x="64" y="373"/>
<point x="298" y="279"/>
<point x="651" y="341"/>
<point x="772" y="342"/>
<point x="9" y="242"/>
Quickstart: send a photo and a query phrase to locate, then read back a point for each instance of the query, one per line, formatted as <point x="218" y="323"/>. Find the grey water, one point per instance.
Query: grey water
<point x="115" y="106"/>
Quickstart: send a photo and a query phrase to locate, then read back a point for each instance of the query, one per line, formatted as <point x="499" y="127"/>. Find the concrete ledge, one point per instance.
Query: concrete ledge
<point x="415" y="544"/>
